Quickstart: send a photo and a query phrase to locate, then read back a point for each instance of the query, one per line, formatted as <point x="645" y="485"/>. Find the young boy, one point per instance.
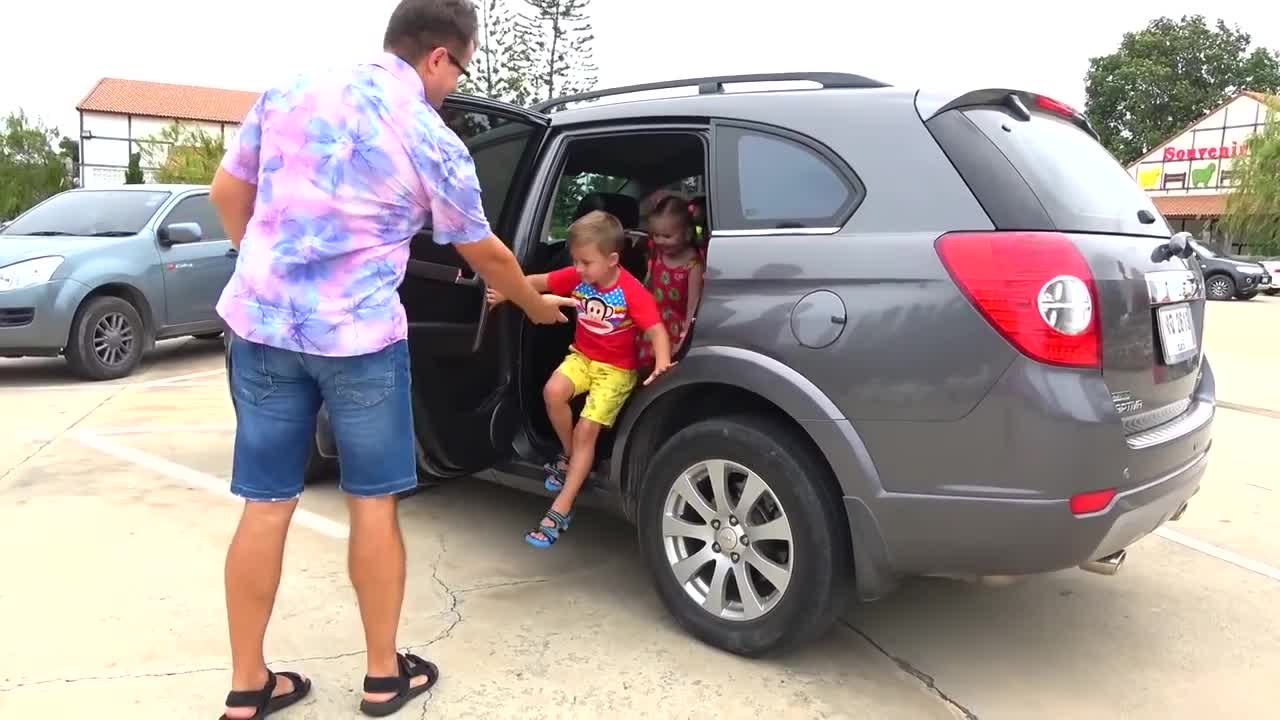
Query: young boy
<point x="612" y="307"/>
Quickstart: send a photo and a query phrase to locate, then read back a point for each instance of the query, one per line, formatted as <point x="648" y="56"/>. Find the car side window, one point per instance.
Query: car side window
<point x="197" y="209"/>
<point x="771" y="181"/>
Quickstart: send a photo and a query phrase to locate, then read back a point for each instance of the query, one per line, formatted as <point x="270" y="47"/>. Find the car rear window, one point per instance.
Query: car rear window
<point x="1082" y="187"/>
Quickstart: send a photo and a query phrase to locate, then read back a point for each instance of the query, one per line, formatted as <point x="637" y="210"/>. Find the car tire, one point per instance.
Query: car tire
<point x="1220" y="287"/>
<point x="797" y="490"/>
<point x="107" y="339"/>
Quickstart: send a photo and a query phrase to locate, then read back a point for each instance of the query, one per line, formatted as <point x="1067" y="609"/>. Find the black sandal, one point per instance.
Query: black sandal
<point x="261" y="700"/>
<point x="411" y="666"/>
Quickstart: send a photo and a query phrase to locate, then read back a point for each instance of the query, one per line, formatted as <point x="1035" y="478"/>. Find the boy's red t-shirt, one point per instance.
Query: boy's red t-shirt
<point x="609" y="319"/>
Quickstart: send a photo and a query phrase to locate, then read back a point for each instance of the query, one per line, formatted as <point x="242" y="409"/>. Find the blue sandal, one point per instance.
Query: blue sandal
<point x="549" y="534"/>
<point x="555" y="474"/>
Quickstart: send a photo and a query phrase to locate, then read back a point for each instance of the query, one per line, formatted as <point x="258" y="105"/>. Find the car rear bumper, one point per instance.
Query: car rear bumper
<point x="37" y="320"/>
<point x="985" y="536"/>
<point x="1020" y="521"/>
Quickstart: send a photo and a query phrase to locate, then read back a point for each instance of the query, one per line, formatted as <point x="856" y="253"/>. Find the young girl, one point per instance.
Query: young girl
<point x="674" y="272"/>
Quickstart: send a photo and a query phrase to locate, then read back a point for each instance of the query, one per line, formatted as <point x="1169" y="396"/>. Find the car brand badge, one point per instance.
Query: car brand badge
<point x="1125" y="402"/>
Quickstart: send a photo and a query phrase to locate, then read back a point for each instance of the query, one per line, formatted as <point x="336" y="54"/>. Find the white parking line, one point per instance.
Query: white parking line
<point x="161" y="430"/>
<point x="180" y="378"/>
<point x="140" y="430"/>
<point x="1220" y="553"/>
<point x="203" y="481"/>
<point x="84" y="386"/>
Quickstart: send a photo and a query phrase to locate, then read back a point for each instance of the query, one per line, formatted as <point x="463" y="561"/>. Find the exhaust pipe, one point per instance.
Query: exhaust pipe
<point x="1109" y="565"/>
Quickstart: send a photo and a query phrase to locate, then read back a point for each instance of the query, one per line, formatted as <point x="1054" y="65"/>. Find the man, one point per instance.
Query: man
<point x="330" y="177"/>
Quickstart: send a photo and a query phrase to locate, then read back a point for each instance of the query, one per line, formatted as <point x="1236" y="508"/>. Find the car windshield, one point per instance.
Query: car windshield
<point x="100" y="213"/>
<point x="1204" y="251"/>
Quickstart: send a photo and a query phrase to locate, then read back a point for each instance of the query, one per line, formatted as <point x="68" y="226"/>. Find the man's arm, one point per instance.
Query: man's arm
<point x="233" y="200"/>
<point x="448" y="176"/>
<point x="539" y="283"/>
<point x="492" y="260"/>
<point x="234" y="189"/>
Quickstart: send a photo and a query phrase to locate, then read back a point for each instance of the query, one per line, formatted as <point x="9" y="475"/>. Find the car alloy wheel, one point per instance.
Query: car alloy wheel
<point x="728" y="540"/>
<point x="1220" y="288"/>
<point x="113" y="339"/>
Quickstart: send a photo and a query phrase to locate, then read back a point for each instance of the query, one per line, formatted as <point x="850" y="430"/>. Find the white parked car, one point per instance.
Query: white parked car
<point x="1272" y="266"/>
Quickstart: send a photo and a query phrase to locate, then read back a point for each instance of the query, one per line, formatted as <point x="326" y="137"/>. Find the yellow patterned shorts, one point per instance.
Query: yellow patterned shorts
<point x="607" y="386"/>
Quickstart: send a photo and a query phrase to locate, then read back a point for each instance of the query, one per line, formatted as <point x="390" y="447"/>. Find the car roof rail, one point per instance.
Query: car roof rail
<point x="715" y="84"/>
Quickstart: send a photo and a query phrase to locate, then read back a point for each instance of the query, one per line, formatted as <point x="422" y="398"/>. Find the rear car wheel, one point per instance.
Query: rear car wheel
<point x="743" y="535"/>
<point x="1220" y="287"/>
<point x="107" y="338"/>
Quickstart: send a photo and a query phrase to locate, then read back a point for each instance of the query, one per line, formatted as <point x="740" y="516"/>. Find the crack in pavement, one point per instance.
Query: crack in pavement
<point x="451" y="609"/>
<point x="925" y="678"/>
<point x="494" y="586"/>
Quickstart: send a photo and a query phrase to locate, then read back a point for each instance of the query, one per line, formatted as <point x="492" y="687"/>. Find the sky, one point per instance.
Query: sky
<point x="250" y="44"/>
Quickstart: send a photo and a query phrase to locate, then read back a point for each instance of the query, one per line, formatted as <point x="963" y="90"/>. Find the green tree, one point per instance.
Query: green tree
<point x="133" y="173"/>
<point x="496" y="67"/>
<point x="30" y="168"/>
<point x="553" y="50"/>
<point x="182" y="154"/>
<point x="1253" y="207"/>
<point x="70" y="150"/>
<point x="571" y="191"/>
<point x="1168" y="75"/>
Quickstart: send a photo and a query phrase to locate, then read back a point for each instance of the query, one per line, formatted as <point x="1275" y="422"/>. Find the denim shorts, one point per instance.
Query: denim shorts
<point x="277" y="395"/>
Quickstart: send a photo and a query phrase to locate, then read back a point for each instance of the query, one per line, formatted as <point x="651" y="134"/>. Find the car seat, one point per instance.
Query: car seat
<point x="627" y="210"/>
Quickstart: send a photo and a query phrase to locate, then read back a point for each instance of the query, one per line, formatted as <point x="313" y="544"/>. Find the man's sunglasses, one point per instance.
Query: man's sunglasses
<point x="458" y="63"/>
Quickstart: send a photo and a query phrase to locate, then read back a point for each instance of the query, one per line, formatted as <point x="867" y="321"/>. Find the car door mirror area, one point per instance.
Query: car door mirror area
<point x="181" y="233"/>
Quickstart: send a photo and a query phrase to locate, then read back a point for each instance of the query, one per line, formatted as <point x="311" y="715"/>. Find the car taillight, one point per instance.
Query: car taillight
<point x="1087" y="503"/>
<point x="1035" y="289"/>
<point x="1055" y="106"/>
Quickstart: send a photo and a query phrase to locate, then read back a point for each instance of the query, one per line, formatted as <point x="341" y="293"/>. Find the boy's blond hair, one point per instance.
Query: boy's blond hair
<point x="599" y="228"/>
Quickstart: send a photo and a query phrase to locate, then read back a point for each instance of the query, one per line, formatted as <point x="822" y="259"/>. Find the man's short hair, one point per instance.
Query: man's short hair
<point x="417" y="27"/>
<point x="599" y="228"/>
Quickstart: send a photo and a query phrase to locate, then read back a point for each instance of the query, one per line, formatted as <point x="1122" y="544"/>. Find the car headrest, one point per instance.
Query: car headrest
<point x="623" y="207"/>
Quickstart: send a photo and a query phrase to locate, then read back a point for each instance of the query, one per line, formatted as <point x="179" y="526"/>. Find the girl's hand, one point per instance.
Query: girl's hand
<point x="493" y="297"/>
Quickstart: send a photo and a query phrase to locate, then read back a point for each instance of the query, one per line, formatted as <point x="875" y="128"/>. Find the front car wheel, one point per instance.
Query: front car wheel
<point x="1220" y="287"/>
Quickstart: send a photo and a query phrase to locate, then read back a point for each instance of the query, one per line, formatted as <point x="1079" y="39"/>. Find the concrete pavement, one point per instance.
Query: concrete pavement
<point x="114" y="517"/>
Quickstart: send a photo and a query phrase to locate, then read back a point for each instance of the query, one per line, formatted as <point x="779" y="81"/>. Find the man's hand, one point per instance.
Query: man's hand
<point x="547" y="312"/>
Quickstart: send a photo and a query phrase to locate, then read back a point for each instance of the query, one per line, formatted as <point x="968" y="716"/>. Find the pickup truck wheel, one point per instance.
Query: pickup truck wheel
<point x="107" y="338"/>
<point x="743" y="535"/>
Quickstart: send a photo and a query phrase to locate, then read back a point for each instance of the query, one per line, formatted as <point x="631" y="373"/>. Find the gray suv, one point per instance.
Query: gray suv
<point x="939" y="335"/>
<point x="100" y="275"/>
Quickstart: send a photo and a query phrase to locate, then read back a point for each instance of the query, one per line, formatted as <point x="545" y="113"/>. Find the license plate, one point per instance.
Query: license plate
<point x="1177" y="333"/>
